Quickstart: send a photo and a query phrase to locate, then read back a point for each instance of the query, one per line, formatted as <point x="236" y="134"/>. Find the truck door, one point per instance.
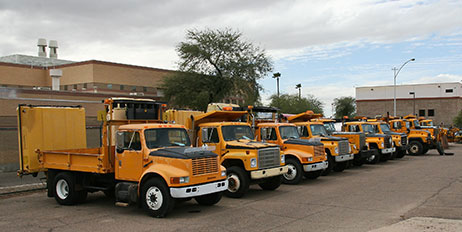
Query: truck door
<point x="129" y="156"/>
<point x="210" y="137"/>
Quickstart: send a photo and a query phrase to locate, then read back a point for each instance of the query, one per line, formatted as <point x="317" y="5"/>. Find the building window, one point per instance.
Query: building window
<point x="422" y="113"/>
<point x="85" y="85"/>
<point x="133" y="88"/>
<point x="109" y="86"/>
<point x="75" y="87"/>
<point x="431" y="113"/>
<point x="449" y="90"/>
<point x="65" y="87"/>
<point x="121" y="87"/>
<point x="145" y="89"/>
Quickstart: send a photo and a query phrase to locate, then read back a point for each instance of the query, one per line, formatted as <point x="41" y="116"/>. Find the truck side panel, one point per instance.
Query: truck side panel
<point x="82" y="160"/>
<point x="48" y="128"/>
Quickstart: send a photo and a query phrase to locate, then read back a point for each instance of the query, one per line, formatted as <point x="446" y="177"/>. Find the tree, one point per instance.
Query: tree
<point x="292" y="104"/>
<point x="458" y="120"/>
<point x="215" y="64"/>
<point x="345" y="106"/>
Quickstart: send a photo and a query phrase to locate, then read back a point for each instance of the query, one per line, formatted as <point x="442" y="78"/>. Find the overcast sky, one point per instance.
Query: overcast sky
<point x="329" y="47"/>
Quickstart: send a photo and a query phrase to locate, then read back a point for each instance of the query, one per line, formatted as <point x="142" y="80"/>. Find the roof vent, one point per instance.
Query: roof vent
<point x="53" y="49"/>
<point x="42" y="45"/>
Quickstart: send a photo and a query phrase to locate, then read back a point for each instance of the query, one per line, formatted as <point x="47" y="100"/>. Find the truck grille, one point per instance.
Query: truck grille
<point x="319" y="150"/>
<point x="387" y="141"/>
<point x="362" y="140"/>
<point x="268" y="157"/>
<point x="201" y="166"/>
<point x="343" y="147"/>
<point x="404" y="140"/>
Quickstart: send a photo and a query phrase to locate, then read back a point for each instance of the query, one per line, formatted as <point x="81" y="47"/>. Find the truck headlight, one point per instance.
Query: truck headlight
<point x="253" y="162"/>
<point x="283" y="159"/>
<point x="179" y="180"/>
<point x="336" y="150"/>
<point x="354" y="147"/>
<point x="382" y="144"/>
<point x="349" y="149"/>
<point x="310" y="159"/>
<point x="223" y="173"/>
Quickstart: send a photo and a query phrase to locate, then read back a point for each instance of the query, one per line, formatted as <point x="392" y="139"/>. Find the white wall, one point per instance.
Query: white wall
<point x="433" y="90"/>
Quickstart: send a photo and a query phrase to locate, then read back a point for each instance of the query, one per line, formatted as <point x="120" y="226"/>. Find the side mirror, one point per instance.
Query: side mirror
<point x="205" y="136"/>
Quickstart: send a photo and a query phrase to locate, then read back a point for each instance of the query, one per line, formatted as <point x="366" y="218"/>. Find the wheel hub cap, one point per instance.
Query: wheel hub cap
<point x="233" y="183"/>
<point x="154" y="198"/>
<point x="62" y="189"/>
<point x="291" y="173"/>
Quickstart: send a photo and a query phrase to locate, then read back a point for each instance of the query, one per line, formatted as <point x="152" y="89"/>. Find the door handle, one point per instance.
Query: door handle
<point x="120" y="163"/>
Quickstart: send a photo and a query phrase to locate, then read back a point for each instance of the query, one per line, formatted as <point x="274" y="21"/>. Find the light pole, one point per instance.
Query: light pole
<point x="413" y="93"/>
<point x="277" y="75"/>
<point x="396" y="72"/>
<point x="299" y="87"/>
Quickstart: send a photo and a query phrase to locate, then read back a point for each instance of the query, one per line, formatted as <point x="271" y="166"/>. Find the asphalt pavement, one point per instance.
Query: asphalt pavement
<point x="413" y="192"/>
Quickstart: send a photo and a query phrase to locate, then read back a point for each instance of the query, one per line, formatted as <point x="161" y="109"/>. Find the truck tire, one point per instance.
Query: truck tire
<point x="340" y="166"/>
<point x="295" y="173"/>
<point x="415" y="148"/>
<point x="358" y="162"/>
<point x="209" y="199"/>
<point x="64" y="189"/>
<point x="238" y="182"/>
<point x="155" y="198"/>
<point x="271" y="183"/>
<point x="330" y="164"/>
<point x="401" y="154"/>
<point x="374" y="159"/>
<point x="313" y="175"/>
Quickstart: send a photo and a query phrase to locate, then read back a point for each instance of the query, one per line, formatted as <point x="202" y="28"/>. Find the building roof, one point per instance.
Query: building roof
<point x="34" y="61"/>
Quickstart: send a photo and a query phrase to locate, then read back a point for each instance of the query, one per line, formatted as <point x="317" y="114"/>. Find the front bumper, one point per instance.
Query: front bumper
<point x="264" y="173"/>
<point x="343" y="158"/>
<point x="388" y="150"/>
<point x="199" y="190"/>
<point x="315" y="167"/>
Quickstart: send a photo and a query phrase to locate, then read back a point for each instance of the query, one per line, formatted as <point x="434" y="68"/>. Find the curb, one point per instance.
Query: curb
<point x="21" y="188"/>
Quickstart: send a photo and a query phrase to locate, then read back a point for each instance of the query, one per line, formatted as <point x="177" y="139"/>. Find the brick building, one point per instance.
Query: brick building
<point x="438" y="101"/>
<point x="47" y="80"/>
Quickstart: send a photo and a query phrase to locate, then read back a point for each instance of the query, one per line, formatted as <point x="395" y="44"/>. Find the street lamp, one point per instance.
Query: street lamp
<point x="299" y="87"/>
<point x="396" y="72"/>
<point x="413" y="93"/>
<point x="277" y="75"/>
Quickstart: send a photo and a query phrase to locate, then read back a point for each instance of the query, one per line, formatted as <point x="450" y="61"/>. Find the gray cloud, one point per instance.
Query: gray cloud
<point x="137" y="32"/>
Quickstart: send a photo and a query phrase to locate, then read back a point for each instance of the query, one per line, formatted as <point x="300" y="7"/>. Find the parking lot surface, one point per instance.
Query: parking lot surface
<point x="358" y="199"/>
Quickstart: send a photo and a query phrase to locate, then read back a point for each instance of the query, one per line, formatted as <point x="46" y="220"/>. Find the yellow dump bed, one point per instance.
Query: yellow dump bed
<point x="48" y="128"/>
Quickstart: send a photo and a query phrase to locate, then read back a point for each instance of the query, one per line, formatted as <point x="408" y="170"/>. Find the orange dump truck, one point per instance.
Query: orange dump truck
<point x="149" y="163"/>
<point x="303" y="157"/>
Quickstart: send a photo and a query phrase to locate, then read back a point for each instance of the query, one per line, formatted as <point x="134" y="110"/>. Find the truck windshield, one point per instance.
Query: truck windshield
<point x="318" y="129"/>
<point x="385" y="127"/>
<point x="231" y="133"/>
<point x="368" y="128"/>
<point x="416" y="123"/>
<point x="166" y="137"/>
<point x="408" y="125"/>
<point x="329" y="127"/>
<point x="289" y="132"/>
